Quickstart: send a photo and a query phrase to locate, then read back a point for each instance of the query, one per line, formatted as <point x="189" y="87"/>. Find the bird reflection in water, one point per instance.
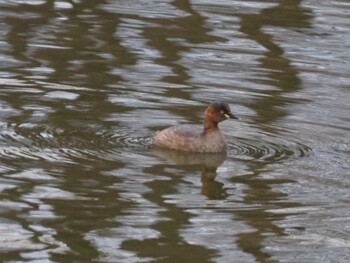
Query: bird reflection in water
<point x="212" y="188"/>
<point x="208" y="162"/>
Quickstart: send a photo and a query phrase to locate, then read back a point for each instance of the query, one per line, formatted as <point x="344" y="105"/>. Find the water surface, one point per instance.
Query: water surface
<point x="85" y="84"/>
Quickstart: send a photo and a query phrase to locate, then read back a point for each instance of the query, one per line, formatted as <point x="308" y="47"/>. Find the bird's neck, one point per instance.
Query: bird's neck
<point x="210" y="125"/>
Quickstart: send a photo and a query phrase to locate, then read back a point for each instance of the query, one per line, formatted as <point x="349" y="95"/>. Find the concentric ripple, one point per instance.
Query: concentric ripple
<point x="248" y="149"/>
<point x="126" y="138"/>
<point x="37" y="142"/>
<point x="55" y="144"/>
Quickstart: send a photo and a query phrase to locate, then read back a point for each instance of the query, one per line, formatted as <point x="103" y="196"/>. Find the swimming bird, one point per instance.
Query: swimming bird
<point x="196" y="138"/>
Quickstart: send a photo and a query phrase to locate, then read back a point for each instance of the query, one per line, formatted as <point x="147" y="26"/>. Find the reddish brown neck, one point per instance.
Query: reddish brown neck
<point x="210" y="120"/>
<point x="210" y="124"/>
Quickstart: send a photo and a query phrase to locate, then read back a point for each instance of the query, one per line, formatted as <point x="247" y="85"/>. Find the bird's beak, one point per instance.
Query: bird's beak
<point x="231" y="116"/>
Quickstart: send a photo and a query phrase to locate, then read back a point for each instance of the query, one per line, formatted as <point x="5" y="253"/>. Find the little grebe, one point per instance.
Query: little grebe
<point x="193" y="138"/>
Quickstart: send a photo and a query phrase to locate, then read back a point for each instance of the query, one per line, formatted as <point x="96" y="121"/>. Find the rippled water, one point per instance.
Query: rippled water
<point x="85" y="84"/>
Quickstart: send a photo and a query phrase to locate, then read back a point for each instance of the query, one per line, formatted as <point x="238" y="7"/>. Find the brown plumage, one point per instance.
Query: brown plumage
<point x="196" y="138"/>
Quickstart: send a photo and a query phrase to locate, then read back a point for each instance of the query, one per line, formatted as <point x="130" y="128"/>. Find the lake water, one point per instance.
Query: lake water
<point x="85" y="84"/>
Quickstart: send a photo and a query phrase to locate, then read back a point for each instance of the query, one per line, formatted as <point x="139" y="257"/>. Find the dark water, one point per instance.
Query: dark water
<point x="85" y="84"/>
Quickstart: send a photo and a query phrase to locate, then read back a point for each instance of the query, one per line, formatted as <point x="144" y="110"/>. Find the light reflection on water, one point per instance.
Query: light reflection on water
<point x="83" y="87"/>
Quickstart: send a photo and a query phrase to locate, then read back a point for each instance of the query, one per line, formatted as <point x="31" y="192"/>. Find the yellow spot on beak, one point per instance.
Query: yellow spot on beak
<point x="226" y="116"/>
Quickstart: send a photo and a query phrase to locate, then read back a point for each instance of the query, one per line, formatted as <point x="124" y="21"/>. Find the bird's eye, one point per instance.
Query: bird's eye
<point x="222" y="112"/>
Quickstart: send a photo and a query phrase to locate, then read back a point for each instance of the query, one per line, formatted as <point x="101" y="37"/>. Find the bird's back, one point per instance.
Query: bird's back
<point x="190" y="138"/>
